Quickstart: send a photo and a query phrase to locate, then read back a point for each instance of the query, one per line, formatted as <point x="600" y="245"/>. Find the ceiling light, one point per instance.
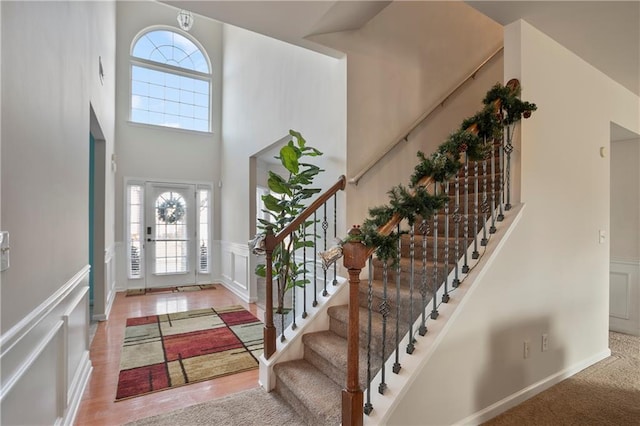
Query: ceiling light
<point x="185" y="20"/>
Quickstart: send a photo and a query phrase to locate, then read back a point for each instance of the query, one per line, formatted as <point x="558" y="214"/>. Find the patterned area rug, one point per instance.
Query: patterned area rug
<point x="176" y="289"/>
<point x="164" y="351"/>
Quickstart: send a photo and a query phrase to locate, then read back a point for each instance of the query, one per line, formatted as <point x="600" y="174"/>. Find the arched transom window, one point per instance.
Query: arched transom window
<point x="170" y="81"/>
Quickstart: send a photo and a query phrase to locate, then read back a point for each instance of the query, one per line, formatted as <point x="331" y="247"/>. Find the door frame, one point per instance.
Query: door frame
<point x="140" y="282"/>
<point x="97" y="217"/>
<point x="153" y="190"/>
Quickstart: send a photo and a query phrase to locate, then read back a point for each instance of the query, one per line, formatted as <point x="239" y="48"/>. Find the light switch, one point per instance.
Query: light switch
<point x="601" y="236"/>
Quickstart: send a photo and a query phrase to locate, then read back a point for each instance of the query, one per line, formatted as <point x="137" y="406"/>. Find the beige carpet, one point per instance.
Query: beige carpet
<point x="252" y="407"/>
<point x="607" y="393"/>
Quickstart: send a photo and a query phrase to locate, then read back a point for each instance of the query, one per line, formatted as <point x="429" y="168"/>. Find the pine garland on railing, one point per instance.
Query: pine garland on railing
<point x="474" y="138"/>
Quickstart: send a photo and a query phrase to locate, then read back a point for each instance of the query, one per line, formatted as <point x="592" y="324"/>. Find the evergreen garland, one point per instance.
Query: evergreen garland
<point x="474" y="138"/>
<point x="419" y="204"/>
<point x="512" y="106"/>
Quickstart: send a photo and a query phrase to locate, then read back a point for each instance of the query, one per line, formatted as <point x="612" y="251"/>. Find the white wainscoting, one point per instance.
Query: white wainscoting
<point x="624" y="296"/>
<point x="234" y="272"/>
<point x="45" y="358"/>
<point x="109" y="278"/>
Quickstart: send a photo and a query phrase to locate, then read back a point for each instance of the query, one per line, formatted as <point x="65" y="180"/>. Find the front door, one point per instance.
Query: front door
<point x="170" y="234"/>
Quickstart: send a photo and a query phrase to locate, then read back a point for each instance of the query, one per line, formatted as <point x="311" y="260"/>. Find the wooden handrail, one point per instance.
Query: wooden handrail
<point x="306" y="213"/>
<point x="388" y="227"/>
<point x="355" y="256"/>
<point x="404" y="135"/>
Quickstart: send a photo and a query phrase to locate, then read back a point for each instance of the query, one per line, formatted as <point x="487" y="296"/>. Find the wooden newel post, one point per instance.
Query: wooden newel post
<point x="269" y="333"/>
<point x="355" y="258"/>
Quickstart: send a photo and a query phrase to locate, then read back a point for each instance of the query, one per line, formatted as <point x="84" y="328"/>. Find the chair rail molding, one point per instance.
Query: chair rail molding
<point x="45" y="357"/>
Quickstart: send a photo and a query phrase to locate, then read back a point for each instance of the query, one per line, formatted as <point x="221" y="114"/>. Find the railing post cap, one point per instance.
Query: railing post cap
<point x="354" y="252"/>
<point x="355" y="230"/>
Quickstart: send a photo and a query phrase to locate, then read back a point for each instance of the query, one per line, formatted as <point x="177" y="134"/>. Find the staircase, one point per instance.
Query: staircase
<point x="313" y="385"/>
<point x="425" y="242"/>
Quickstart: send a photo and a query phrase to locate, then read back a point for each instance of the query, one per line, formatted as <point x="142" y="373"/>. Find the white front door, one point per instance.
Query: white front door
<point x="170" y="234"/>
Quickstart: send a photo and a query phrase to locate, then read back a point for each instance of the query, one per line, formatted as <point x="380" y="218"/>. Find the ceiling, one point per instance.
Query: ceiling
<point x="604" y="33"/>
<point x="290" y="21"/>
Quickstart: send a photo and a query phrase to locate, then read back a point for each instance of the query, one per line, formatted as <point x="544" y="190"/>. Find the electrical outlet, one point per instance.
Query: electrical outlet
<point x="545" y="342"/>
<point x="525" y="349"/>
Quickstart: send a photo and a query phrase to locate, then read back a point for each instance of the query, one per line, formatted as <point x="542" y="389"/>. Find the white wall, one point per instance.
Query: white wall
<point x="625" y="200"/>
<point x="158" y="153"/>
<point x="271" y="87"/>
<point x="553" y="275"/>
<point x="624" y="298"/>
<point x="397" y="69"/>
<point x="50" y="78"/>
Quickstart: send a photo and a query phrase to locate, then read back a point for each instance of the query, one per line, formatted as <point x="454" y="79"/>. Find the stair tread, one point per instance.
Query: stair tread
<point x="317" y="392"/>
<point x="377" y="287"/>
<point x="341" y="313"/>
<point x="333" y="349"/>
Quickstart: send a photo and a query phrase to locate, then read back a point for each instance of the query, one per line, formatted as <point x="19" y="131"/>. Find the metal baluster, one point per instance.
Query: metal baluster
<point x="445" y="270"/>
<point x="410" y="345"/>
<point x="434" y="311"/>
<point x="508" y="148"/>
<point x="484" y="207"/>
<point x="465" y="267"/>
<point x="476" y="213"/>
<point x="335" y="235"/>
<point x="304" y="272"/>
<point x="501" y="183"/>
<point x="294" y="289"/>
<point x="384" y="311"/>
<point x="424" y="229"/>
<point x="315" y="256"/>
<point x="412" y="256"/>
<point x="396" y="364"/>
<point x="281" y="283"/>
<point x="325" y="226"/>
<point x="492" y="229"/>
<point x="456" y="232"/>
<point x="368" y="407"/>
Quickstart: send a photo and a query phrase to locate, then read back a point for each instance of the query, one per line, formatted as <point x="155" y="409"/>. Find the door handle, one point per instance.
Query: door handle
<point x="150" y="240"/>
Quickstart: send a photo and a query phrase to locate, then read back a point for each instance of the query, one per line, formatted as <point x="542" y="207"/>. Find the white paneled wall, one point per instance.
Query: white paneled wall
<point x="109" y="281"/>
<point x="624" y="297"/>
<point x="45" y="358"/>
<point x="235" y="269"/>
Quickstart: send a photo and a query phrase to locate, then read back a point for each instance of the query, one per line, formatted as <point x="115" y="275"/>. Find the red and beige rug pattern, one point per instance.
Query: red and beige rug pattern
<point x="169" y="350"/>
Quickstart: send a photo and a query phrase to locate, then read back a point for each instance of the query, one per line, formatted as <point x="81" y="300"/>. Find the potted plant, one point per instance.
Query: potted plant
<point x="283" y="204"/>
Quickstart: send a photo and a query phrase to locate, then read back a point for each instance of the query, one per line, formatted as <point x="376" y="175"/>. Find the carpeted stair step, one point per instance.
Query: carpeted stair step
<point x="313" y="395"/>
<point x="405" y="247"/>
<point x="405" y="269"/>
<point x="377" y="287"/>
<point x="339" y="319"/>
<point x="327" y="351"/>
<point x="480" y="171"/>
<point x="471" y="200"/>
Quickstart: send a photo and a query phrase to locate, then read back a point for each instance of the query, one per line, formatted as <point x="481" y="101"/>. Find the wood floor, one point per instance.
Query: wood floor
<point x="98" y="407"/>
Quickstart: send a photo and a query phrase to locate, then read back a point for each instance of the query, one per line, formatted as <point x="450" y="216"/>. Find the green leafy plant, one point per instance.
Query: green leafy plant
<point x="290" y="191"/>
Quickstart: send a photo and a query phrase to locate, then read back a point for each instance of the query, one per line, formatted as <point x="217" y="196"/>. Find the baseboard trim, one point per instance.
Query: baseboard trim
<point x="530" y="391"/>
<point x="236" y="291"/>
<point x="77" y="391"/>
